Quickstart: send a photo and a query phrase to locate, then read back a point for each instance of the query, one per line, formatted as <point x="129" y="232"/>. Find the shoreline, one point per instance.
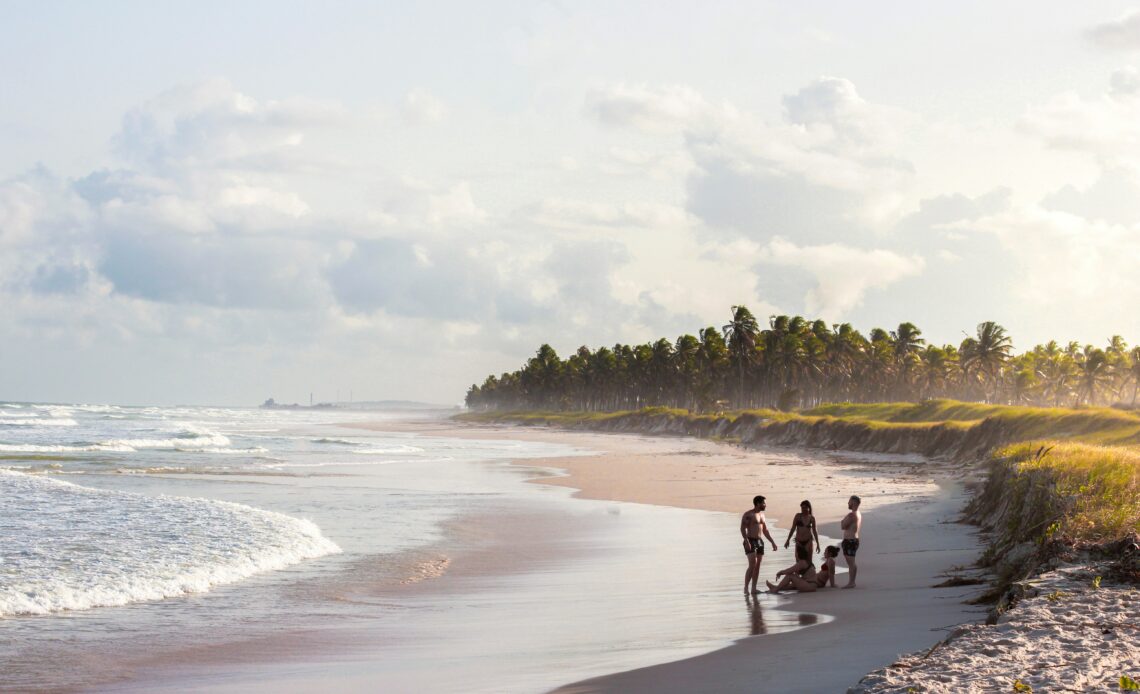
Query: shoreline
<point x="913" y="543"/>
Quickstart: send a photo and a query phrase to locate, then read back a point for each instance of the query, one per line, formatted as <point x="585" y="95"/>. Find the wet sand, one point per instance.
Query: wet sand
<point x="909" y="542"/>
<point x="506" y="567"/>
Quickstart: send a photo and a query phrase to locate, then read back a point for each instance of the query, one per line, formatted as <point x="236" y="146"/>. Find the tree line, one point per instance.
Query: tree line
<point x="795" y="363"/>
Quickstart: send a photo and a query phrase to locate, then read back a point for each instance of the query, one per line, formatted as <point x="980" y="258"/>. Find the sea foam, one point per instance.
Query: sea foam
<point x="67" y="547"/>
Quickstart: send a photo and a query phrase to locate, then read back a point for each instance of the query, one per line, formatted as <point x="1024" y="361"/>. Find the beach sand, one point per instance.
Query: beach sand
<point x="1069" y="633"/>
<point x="909" y="542"/>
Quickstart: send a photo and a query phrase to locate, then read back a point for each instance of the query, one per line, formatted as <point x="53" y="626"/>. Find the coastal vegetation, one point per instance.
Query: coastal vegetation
<point x="1062" y="467"/>
<point x="799" y="363"/>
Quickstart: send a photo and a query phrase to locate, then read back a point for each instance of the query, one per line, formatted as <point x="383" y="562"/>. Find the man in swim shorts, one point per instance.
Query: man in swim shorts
<point x="752" y="524"/>
<point x="851" y="524"/>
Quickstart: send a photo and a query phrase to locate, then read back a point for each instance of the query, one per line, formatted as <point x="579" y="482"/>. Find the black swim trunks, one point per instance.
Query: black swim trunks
<point x="803" y="551"/>
<point x="754" y="544"/>
<point x="850" y="547"/>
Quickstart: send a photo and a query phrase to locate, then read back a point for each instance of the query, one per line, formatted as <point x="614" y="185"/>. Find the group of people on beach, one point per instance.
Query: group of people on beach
<point x="802" y="575"/>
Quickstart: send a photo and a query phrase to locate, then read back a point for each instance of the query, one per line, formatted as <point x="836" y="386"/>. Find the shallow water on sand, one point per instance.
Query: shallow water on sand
<point x="453" y="573"/>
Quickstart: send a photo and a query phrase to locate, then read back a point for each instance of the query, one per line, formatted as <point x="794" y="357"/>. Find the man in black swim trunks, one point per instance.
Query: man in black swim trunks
<point x="851" y="524"/>
<point x="752" y="523"/>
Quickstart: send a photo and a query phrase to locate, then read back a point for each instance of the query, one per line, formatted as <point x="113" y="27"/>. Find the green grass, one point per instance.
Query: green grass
<point x="926" y="411"/>
<point x="1099" y="486"/>
<point x="1104" y="426"/>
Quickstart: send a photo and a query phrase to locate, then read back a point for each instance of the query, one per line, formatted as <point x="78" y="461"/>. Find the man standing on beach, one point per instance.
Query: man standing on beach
<point x="751" y="525"/>
<point x="851" y="524"/>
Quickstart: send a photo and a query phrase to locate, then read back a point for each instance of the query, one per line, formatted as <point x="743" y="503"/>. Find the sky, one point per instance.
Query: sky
<point x="218" y="203"/>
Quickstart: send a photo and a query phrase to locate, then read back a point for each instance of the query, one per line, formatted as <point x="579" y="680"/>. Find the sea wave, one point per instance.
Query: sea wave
<point x="32" y="421"/>
<point x="69" y="547"/>
<point x="189" y="442"/>
<point x="338" y="442"/>
<point x="61" y="448"/>
<point x="390" y="450"/>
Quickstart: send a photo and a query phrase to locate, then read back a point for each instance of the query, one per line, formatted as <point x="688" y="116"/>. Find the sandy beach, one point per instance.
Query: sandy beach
<point x="612" y="567"/>
<point x="910" y="542"/>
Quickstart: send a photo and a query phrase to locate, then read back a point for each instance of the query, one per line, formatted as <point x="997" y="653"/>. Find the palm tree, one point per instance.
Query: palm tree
<point x="541" y="376"/>
<point x="1092" y="367"/>
<point x="740" y="335"/>
<point x="713" y="359"/>
<point x="934" y="371"/>
<point x="906" y="341"/>
<point x="987" y="354"/>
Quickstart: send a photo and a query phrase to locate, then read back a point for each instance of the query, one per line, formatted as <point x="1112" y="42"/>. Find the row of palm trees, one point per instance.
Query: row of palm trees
<point x="794" y="363"/>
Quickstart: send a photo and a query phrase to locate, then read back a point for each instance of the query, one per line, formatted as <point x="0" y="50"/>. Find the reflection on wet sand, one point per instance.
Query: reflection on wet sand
<point x="783" y="621"/>
<point x="755" y="616"/>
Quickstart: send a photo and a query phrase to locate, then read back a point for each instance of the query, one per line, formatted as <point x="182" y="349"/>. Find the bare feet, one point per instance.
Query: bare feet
<point x="849" y="585"/>
<point x="756" y="592"/>
<point x="772" y="587"/>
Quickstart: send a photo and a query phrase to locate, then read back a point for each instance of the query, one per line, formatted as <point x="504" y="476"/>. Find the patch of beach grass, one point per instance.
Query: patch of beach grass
<point x="1098" y="485"/>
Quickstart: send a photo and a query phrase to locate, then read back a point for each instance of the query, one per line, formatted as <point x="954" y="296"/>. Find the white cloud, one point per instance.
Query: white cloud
<point x="560" y="213"/>
<point x="833" y="104"/>
<point x="1125" y="83"/>
<point x="666" y="108"/>
<point x="1107" y="126"/>
<point x="415" y="204"/>
<point x="843" y="275"/>
<point x="1072" y="272"/>
<point x="211" y="124"/>
<point x="665" y="166"/>
<point x="422" y="108"/>
<point x="1118" y="34"/>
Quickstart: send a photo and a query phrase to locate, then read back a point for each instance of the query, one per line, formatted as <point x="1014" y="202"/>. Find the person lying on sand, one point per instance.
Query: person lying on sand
<point x="803" y="527"/>
<point x="752" y="523"/>
<point x="852" y="523"/>
<point x="810" y="580"/>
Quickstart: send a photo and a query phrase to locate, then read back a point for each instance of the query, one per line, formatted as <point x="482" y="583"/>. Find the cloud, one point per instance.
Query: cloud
<point x="843" y="274"/>
<point x="825" y="280"/>
<point x="661" y="166"/>
<point x="1107" y="126"/>
<point x="1071" y="271"/>
<point x="560" y="213"/>
<point x="834" y="103"/>
<point x="829" y="172"/>
<point x="657" y="109"/>
<point x="1118" y="34"/>
<point x="213" y="270"/>
<point x="411" y="204"/>
<point x="1114" y="198"/>
<point x="946" y="209"/>
<point x="1125" y="83"/>
<point x="211" y="124"/>
<point x="422" y="108"/>
<point x="405" y="278"/>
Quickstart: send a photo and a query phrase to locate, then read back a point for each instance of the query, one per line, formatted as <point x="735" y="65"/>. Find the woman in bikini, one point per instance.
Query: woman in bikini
<point x="810" y="580"/>
<point x="803" y="527"/>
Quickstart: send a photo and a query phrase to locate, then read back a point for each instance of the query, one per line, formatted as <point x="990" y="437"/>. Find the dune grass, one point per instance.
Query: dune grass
<point x="1095" y="425"/>
<point x="1098" y="486"/>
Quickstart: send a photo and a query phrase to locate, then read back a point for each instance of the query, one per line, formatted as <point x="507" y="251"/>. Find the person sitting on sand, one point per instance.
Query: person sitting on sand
<point x="752" y="523"/>
<point x="851" y="524"/>
<point x="803" y="526"/>
<point x="811" y="580"/>
<point x="801" y="567"/>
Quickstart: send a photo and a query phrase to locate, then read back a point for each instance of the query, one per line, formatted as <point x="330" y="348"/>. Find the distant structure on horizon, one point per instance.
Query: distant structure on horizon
<point x="272" y="404"/>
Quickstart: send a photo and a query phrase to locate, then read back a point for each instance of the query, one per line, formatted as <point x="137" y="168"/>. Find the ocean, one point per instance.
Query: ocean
<point x="172" y="548"/>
